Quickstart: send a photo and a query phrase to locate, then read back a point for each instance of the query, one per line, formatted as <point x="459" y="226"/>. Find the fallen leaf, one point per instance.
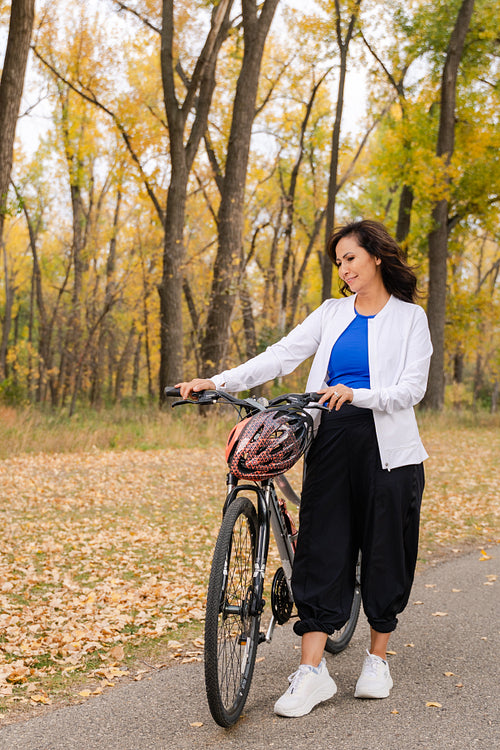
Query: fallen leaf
<point x="433" y="704"/>
<point x="417" y="602"/>
<point x="456" y="591"/>
<point x="449" y="674"/>
<point x="40" y="698"/>
<point x="459" y="684"/>
<point x="410" y="645"/>
<point x="392" y="653"/>
<point x="118" y="653"/>
<point x="394" y="711"/>
<point x="174" y="644"/>
<point x="85" y="693"/>
<point x="484" y="556"/>
<point x="439" y="614"/>
<point x="196" y="724"/>
<point x="20" y="674"/>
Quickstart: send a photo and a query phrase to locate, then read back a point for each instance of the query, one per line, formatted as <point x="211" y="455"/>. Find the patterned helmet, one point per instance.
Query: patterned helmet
<point x="268" y="443"/>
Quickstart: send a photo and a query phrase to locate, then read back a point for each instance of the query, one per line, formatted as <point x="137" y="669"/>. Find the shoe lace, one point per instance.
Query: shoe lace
<point x="372" y="665"/>
<point x="296" y="678"/>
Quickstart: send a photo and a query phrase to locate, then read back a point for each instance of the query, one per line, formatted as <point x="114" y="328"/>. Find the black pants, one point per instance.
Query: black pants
<point x="349" y="503"/>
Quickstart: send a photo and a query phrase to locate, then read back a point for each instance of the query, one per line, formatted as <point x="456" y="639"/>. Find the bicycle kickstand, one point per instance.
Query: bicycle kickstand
<point x="269" y="635"/>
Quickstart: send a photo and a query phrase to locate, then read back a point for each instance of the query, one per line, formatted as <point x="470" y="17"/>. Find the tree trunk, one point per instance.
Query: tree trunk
<point x="22" y="15"/>
<point x="248" y="320"/>
<point x="438" y="237"/>
<point x="458" y="365"/>
<point x="7" y="318"/>
<point x="227" y="268"/>
<point x="199" y="96"/>
<point x="289" y="285"/>
<point x="404" y="214"/>
<point x="105" y="331"/>
<point x="170" y="288"/>
<point x="343" y="45"/>
<point x="124" y="361"/>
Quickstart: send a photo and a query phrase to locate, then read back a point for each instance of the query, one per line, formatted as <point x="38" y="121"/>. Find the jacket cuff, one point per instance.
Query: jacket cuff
<point x="218" y="380"/>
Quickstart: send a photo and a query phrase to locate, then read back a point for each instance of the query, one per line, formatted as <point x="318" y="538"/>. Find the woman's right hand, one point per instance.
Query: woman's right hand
<point x="195" y="386"/>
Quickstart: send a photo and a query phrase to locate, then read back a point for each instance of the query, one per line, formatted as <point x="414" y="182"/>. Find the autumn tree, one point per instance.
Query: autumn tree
<point x="256" y="23"/>
<point x="11" y="88"/>
<point x="344" y="21"/>
<point x="438" y="237"/>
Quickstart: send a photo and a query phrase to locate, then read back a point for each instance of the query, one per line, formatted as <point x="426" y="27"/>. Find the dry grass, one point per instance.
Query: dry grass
<point x="108" y="525"/>
<point x="33" y="431"/>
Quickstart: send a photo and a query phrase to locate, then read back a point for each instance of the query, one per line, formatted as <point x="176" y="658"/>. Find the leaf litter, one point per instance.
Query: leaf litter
<point x="102" y="550"/>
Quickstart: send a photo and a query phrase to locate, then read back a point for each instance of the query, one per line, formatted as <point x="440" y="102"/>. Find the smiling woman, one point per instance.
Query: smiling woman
<point x="364" y="477"/>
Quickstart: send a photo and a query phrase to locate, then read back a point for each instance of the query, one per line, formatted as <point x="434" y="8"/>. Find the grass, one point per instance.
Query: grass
<point x="33" y="430"/>
<point x="108" y="526"/>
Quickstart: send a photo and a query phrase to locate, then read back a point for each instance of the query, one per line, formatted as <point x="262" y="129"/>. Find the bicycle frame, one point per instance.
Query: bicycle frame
<point x="270" y="517"/>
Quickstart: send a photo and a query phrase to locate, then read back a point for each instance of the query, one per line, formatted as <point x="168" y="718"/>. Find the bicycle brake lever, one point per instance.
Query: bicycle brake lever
<point x="321" y="407"/>
<point x="183" y="401"/>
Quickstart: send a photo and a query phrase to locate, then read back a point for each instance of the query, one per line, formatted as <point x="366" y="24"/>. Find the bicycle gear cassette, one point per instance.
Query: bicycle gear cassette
<point x="281" y="599"/>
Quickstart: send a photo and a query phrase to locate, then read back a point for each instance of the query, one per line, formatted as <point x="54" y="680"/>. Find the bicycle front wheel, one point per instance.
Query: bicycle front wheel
<point x="231" y="624"/>
<point x="338" y="641"/>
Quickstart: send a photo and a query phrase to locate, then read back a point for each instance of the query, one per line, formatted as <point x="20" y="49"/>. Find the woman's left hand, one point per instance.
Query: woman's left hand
<point x="336" y="395"/>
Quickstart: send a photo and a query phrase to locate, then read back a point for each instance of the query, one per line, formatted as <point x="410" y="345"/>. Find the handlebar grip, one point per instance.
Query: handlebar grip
<point x="172" y="392"/>
<point x="315" y="396"/>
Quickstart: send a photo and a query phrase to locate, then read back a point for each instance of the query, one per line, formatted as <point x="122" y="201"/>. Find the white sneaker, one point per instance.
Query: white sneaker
<point x="307" y="689"/>
<point x="375" y="680"/>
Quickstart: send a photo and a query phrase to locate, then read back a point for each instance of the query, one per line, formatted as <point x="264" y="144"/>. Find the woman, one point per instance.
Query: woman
<point x="364" y="477"/>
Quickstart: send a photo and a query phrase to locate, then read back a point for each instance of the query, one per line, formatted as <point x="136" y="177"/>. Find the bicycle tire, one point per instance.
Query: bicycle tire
<point x="340" y="639"/>
<point x="231" y="630"/>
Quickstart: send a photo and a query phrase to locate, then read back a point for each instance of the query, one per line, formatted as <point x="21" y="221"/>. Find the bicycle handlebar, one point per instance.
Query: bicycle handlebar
<point x="250" y="404"/>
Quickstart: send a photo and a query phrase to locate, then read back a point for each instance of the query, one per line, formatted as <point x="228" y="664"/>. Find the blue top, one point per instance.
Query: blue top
<point x="349" y="357"/>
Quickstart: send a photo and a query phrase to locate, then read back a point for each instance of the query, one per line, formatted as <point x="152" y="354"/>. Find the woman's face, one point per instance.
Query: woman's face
<point x="358" y="268"/>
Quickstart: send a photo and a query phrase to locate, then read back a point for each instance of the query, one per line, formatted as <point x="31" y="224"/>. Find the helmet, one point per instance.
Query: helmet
<point x="268" y="443"/>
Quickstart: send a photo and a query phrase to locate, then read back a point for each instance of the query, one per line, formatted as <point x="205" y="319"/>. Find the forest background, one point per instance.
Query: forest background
<point x="179" y="165"/>
<point x="164" y="209"/>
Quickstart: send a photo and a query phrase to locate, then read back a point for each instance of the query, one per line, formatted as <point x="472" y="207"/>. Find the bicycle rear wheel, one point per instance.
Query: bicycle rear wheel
<point x="231" y="628"/>
<point x="338" y="641"/>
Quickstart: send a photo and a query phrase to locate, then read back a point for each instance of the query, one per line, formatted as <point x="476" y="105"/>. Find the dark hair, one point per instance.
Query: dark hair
<point x="398" y="277"/>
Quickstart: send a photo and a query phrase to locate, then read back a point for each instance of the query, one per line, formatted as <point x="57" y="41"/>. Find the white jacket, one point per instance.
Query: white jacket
<point x="399" y="352"/>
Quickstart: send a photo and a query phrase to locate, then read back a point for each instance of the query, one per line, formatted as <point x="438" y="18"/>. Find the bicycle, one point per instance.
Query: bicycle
<point x="235" y="600"/>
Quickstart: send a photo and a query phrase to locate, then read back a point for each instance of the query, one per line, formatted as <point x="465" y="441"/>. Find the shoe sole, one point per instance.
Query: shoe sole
<point x="317" y="697"/>
<point x="373" y="694"/>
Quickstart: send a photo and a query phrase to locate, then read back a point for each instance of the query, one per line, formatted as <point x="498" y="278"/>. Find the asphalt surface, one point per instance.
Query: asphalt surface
<point x="451" y="625"/>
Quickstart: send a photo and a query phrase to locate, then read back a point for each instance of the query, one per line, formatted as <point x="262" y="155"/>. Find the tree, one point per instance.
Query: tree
<point x="199" y="91"/>
<point x="438" y="237"/>
<point x="343" y="38"/>
<point x="230" y="218"/>
<point x="11" y="88"/>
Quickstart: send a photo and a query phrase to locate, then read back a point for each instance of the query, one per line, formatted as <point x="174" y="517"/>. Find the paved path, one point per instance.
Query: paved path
<point x="157" y="713"/>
